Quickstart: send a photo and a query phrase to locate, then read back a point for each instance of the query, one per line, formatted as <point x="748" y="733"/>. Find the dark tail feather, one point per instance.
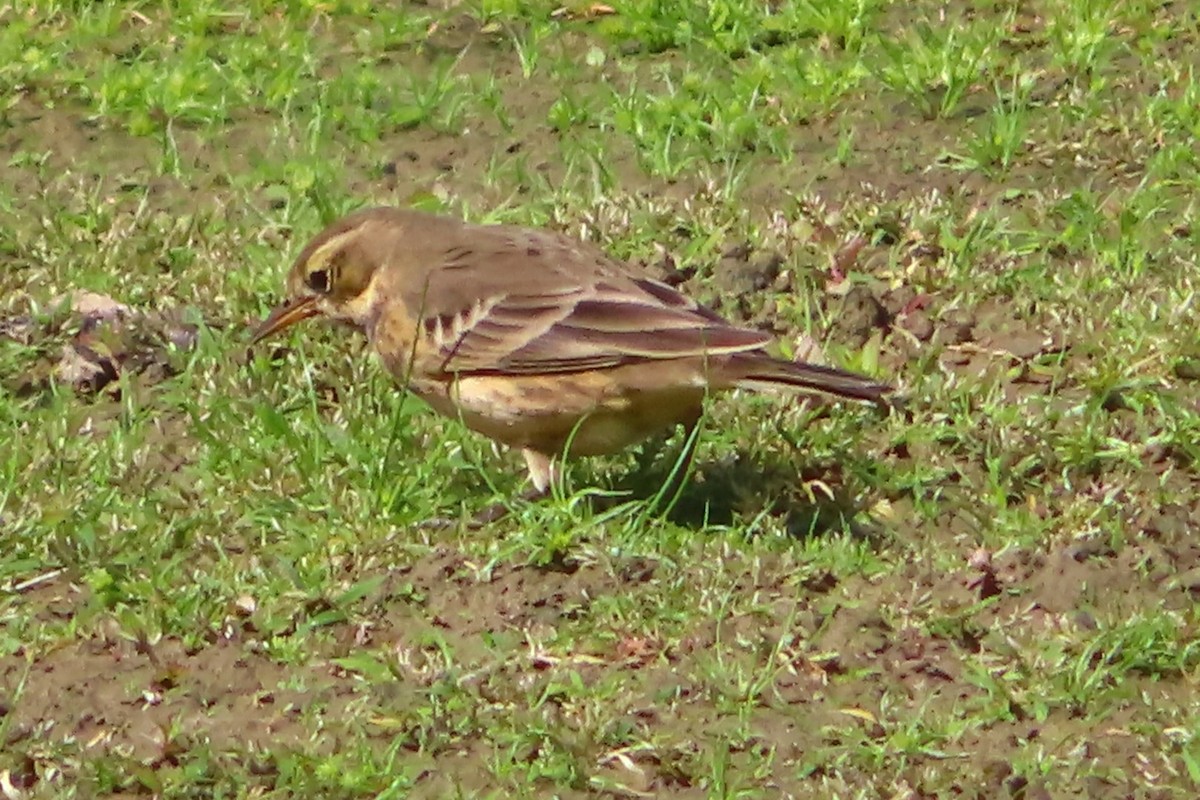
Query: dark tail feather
<point x="767" y="372"/>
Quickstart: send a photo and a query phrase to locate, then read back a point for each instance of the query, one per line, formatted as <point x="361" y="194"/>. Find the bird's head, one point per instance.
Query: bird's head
<point x="334" y="274"/>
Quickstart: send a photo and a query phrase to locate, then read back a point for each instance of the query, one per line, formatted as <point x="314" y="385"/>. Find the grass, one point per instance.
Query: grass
<point x="214" y="582"/>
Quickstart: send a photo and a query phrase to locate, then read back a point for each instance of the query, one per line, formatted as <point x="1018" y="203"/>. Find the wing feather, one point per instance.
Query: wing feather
<point x="585" y="327"/>
<point x="501" y="300"/>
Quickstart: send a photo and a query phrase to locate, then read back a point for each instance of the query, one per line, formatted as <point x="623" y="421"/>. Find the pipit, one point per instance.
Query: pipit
<point x="534" y="339"/>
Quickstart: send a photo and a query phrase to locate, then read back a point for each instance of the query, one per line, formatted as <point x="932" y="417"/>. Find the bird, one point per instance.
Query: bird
<point x="535" y="339"/>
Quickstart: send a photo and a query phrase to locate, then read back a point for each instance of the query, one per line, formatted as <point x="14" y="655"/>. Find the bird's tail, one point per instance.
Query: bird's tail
<point x="761" y="372"/>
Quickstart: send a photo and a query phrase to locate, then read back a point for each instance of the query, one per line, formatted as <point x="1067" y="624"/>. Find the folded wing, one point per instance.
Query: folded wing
<point x="505" y="300"/>
<point x="606" y="323"/>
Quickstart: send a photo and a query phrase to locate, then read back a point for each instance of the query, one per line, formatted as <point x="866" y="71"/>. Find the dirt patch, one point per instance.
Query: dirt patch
<point x="66" y="140"/>
<point x="110" y="694"/>
<point x="826" y="673"/>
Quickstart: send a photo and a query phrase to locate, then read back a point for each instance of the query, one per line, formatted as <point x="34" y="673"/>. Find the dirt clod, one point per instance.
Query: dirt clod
<point x="740" y="273"/>
<point x="92" y="339"/>
<point x="918" y="324"/>
<point x="861" y="315"/>
<point x="1187" y="369"/>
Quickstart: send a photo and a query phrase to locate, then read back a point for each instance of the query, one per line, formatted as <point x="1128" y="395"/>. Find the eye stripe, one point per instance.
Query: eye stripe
<point x="324" y="261"/>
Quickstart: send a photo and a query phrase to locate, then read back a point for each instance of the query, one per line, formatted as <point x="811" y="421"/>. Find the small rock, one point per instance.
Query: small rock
<point x="740" y="251"/>
<point x="985" y="583"/>
<point x="245" y="605"/>
<point x="1187" y="369"/>
<point x="184" y="336"/>
<point x="630" y="47"/>
<point x="92" y="305"/>
<point x="1092" y="547"/>
<point x="919" y="325"/>
<point x="666" y="269"/>
<point x="1114" y="401"/>
<point x="393" y="168"/>
<point x="84" y="368"/>
<point x="1188" y="581"/>
<point x="766" y="267"/>
<point x="897" y="299"/>
<point x="768" y="313"/>
<point x="995" y="773"/>
<point x="806" y="349"/>
<point x="1021" y="344"/>
<point x="980" y="558"/>
<point x="20" y="329"/>
<point x="739" y="275"/>
<point x="952" y="333"/>
<point x="861" y="314"/>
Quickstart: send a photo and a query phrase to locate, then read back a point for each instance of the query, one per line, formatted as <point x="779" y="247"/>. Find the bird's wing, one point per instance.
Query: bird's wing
<point x="557" y="308"/>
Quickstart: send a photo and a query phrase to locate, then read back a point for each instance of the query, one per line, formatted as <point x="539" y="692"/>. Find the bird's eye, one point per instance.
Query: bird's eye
<point x="318" y="281"/>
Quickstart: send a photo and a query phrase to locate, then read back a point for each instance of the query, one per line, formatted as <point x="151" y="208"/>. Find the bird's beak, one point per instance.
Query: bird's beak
<point x="286" y="315"/>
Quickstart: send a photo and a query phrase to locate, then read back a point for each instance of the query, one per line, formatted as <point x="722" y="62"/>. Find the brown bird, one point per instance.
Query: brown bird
<point x="534" y="339"/>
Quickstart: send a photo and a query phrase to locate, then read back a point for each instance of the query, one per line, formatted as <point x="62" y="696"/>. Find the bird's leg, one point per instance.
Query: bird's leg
<point x="543" y="471"/>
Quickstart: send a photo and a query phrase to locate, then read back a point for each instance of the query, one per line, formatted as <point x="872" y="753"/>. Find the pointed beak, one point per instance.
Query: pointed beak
<point x="285" y="315"/>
